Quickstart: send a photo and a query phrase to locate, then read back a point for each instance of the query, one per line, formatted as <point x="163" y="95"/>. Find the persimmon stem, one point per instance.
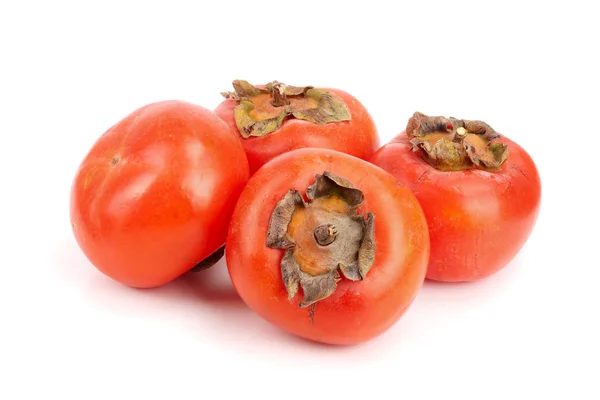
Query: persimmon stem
<point x="324" y="239"/>
<point x="279" y="97"/>
<point x="325" y="234"/>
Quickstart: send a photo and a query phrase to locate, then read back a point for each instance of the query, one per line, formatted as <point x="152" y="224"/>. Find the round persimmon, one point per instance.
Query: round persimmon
<point x="327" y="246"/>
<point x="480" y="192"/>
<point x="275" y="118"/>
<point x="154" y="195"/>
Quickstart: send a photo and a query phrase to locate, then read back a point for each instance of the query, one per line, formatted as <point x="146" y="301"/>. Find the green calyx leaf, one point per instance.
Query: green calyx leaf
<point x="261" y="111"/>
<point x="249" y="126"/>
<point x="329" y="108"/>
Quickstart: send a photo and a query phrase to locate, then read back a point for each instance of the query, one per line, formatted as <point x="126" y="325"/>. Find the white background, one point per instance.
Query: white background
<point x="68" y="71"/>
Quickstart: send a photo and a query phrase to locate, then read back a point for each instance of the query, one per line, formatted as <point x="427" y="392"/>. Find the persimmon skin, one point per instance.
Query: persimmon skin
<point x="357" y="137"/>
<point x="478" y="220"/>
<point x="356" y="311"/>
<point x="154" y="194"/>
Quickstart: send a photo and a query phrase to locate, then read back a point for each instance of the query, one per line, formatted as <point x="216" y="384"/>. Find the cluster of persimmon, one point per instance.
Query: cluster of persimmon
<point x="327" y="234"/>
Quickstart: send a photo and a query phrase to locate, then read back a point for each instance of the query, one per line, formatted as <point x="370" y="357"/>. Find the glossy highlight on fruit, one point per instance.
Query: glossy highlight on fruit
<point x="154" y="195"/>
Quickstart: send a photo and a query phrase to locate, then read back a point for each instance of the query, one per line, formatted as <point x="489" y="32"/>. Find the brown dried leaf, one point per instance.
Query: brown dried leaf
<point x="350" y="272"/>
<point x="366" y="252"/>
<point x="481" y="128"/>
<point x="290" y="273"/>
<point x="328" y="184"/>
<point x="485" y="155"/>
<point x="296" y="90"/>
<point x="318" y="287"/>
<point x="280" y="219"/>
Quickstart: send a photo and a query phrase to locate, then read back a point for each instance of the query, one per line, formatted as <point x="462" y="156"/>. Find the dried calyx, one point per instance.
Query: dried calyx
<point x="324" y="238"/>
<point x="262" y="110"/>
<point x="451" y="144"/>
